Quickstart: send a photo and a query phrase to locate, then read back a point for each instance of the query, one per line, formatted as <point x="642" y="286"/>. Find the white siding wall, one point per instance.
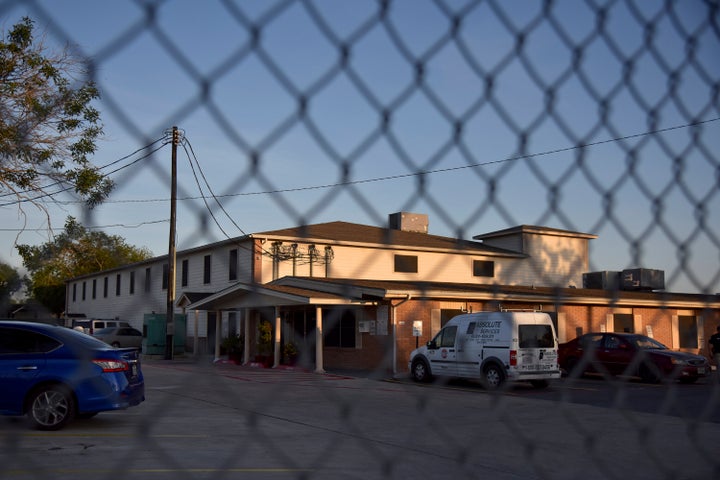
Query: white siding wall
<point x="132" y="307"/>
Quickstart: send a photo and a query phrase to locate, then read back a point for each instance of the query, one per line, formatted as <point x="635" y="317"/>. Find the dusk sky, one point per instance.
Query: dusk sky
<point x="609" y="128"/>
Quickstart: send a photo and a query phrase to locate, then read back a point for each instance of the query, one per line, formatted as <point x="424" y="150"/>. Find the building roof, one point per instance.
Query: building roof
<point x="534" y="229"/>
<point x="357" y="234"/>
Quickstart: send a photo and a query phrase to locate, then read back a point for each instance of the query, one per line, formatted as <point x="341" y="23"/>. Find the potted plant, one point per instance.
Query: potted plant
<point x="290" y="353"/>
<point x="265" y="343"/>
<point x="234" y="346"/>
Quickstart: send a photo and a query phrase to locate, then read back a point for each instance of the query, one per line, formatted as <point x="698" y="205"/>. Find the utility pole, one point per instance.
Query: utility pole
<point x="170" y="318"/>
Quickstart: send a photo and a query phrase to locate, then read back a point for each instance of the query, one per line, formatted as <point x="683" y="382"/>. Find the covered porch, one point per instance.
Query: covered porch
<point x="294" y="315"/>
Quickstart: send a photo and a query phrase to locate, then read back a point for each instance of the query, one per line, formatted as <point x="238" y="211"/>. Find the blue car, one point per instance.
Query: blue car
<point x="53" y="374"/>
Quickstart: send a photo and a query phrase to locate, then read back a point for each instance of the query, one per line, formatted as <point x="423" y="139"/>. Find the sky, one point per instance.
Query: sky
<point x="597" y="117"/>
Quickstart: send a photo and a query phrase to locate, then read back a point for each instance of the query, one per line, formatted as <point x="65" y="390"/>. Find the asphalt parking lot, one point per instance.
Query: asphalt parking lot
<point x="223" y="421"/>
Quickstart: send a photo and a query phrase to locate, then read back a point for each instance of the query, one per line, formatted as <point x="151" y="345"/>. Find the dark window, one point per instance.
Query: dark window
<point x="117" y="284"/>
<point x="233" y="265"/>
<point x="74" y="292"/>
<point x="148" y="279"/>
<point x="84" y="289"/>
<point x="13" y="340"/>
<point x="340" y="328"/>
<point x="132" y="283"/>
<point x="105" y="287"/>
<point x="185" y="272"/>
<point x="687" y="327"/>
<point x="535" y="336"/>
<point x="166" y="272"/>
<point x="206" y="270"/>
<point x="483" y="268"/>
<point x="406" y="263"/>
<point x="94" y="290"/>
<point x="624" y="322"/>
<point x="446" y="337"/>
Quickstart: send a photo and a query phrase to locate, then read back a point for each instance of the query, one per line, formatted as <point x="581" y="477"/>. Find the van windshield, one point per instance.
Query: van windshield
<point x="536" y="336"/>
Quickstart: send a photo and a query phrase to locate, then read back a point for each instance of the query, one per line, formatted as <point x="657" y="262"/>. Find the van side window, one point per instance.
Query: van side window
<point x="446" y="337"/>
<point x="471" y="328"/>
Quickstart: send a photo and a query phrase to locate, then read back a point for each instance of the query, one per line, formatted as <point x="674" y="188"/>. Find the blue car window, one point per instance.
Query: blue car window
<point x="21" y="341"/>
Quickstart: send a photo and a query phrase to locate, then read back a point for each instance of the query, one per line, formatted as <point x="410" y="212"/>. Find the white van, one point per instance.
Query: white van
<point x="90" y="326"/>
<point x="492" y="347"/>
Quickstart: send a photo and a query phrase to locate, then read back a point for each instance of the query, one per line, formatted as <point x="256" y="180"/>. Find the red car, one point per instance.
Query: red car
<point x="632" y="355"/>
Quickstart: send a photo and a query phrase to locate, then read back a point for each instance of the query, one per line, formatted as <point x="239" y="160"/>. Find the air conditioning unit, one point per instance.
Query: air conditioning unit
<point x="606" y="280"/>
<point x="642" y="279"/>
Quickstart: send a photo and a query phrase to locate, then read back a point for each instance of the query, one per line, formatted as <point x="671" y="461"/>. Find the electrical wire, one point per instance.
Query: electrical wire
<point x="430" y="172"/>
<point x="65" y="189"/>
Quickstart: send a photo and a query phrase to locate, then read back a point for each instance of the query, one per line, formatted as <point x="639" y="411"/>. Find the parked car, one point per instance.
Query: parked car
<point x="53" y="374"/>
<point x="90" y="326"/>
<point x="120" y="336"/>
<point x="632" y="355"/>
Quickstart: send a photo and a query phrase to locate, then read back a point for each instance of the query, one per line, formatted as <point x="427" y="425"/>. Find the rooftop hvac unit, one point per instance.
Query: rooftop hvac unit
<point x="605" y="280"/>
<point x="643" y="279"/>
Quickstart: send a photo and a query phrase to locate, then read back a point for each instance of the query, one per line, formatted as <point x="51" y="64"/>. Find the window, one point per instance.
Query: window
<point x="117" y="284"/>
<point x="206" y="269"/>
<point x="406" y="263"/>
<point x="13" y="340"/>
<point x="687" y="327"/>
<point x="84" y="289"/>
<point x="166" y="273"/>
<point x="623" y="322"/>
<point x="105" y="287"/>
<point x="483" y="268"/>
<point x="132" y="283"/>
<point x="148" y="279"/>
<point x="74" y="292"/>
<point x="94" y="288"/>
<point x="233" y="265"/>
<point x="535" y="336"/>
<point x="340" y="328"/>
<point x="185" y="272"/>
<point x="446" y="337"/>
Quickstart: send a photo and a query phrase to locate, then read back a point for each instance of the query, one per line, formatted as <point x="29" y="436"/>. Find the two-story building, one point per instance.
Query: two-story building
<point x="368" y="294"/>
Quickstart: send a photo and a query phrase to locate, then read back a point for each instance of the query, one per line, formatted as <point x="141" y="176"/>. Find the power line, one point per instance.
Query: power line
<point x="65" y="189"/>
<point x="425" y="172"/>
<point x="95" y="227"/>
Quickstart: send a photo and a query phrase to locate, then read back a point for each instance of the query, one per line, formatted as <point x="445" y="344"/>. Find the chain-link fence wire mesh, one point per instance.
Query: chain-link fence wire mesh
<point x="589" y="116"/>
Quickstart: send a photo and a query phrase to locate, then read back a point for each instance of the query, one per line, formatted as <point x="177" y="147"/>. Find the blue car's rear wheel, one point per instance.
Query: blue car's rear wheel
<point x="51" y="407"/>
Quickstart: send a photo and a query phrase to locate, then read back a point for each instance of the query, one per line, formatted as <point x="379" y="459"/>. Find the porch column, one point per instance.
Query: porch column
<point x="196" y="341"/>
<point x="246" y="347"/>
<point x="318" y="341"/>
<point x="278" y="326"/>
<point x="218" y="334"/>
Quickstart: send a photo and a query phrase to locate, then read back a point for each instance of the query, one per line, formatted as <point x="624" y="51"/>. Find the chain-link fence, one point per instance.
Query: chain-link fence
<point x="595" y="116"/>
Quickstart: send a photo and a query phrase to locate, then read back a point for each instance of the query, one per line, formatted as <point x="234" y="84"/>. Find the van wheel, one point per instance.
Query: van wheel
<point x="420" y="371"/>
<point x="51" y="407"/>
<point x="493" y="377"/>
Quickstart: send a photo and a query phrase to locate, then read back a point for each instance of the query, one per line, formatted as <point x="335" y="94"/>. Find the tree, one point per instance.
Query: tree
<point x="48" y="126"/>
<point x="74" y="252"/>
<point x="10" y="282"/>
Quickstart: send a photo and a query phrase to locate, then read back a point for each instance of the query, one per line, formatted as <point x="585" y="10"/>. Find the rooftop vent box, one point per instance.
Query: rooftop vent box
<point x="643" y="279"/>
<point x="409" y="222"/>
<point x="606" y="280"/>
